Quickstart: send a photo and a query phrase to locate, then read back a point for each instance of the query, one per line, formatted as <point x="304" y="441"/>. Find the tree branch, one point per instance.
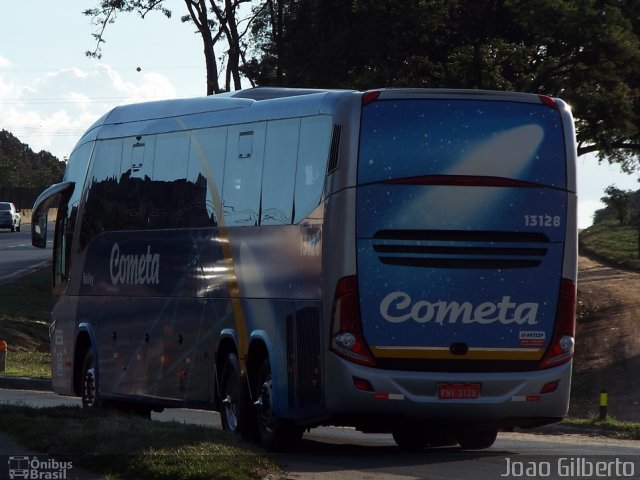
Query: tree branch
<point x="620" y="145"/>
<point x="98" y="36"/>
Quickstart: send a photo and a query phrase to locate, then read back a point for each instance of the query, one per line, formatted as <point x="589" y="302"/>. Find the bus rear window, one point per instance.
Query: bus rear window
<point x="411" y="138"/>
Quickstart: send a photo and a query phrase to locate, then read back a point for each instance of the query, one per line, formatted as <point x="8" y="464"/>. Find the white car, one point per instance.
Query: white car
<point x="9" y="216"/>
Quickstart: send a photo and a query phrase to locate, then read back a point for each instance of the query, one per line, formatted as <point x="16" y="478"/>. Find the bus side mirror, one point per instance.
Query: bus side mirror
<point x="40" y="214"/>
<point x="39" y="230"/>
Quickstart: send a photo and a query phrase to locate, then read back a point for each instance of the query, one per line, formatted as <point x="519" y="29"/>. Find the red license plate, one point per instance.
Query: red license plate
<point x="458" y="391"/>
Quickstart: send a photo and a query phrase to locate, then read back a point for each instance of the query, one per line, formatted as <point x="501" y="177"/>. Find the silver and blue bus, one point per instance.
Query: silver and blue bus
<point x="395" y="260"/>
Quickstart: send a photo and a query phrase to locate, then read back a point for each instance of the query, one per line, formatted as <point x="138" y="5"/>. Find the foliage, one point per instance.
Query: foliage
<point x="609" y="213"/>
<point x="584" y="51"/>
<point x="106" y="13"/>
<point x="22" y="167"/>
<point x="619" y="201"/>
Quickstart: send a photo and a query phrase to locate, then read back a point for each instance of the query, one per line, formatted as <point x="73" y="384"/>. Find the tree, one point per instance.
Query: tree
<point x="620" y="202"/>
<point x="267" y="30"/>
<point x="215" y="20"/>
<point x="584" y="51"/>
<point x="22" y="167"/>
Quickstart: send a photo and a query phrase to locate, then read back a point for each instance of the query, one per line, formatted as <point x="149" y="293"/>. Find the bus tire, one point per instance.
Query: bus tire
<point x="235" y="408"/>
<point x="477" y="439"/>
<point x="90" y="397"/>
<point x="276" y="434"/>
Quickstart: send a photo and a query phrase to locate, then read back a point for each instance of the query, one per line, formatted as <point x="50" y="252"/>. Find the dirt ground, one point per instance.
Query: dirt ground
<point x="607" y="341"/>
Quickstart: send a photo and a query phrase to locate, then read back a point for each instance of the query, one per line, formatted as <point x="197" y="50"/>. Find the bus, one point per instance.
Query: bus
<point x="394" y="260"/>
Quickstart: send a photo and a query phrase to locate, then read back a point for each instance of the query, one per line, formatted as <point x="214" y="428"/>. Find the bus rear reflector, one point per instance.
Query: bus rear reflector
<point x="362" y="384"/>
<point x="550" y="387"/>
<point x="347" y="339"/>
<point x="562" y="345"/>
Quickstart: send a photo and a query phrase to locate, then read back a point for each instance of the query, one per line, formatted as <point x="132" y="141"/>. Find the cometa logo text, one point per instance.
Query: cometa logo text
<point x="132" y="269"/>
<point x="398" y="307"/>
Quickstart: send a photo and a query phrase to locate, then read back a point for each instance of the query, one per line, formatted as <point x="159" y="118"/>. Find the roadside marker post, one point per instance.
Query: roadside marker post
<point x="3" y="356"/>
<point x="604" y="403"/>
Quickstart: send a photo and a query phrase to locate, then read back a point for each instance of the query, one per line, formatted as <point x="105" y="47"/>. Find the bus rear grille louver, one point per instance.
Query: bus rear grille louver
<point x="460" y="249"/>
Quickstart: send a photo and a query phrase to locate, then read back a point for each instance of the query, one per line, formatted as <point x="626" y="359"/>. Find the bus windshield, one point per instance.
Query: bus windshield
<point x="408" y="138"/>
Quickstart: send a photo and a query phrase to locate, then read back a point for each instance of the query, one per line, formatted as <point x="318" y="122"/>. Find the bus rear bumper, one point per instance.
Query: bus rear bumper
<point x="504" y="399"/>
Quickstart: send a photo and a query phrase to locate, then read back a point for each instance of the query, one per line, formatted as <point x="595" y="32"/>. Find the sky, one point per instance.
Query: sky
<point x="50" y="92"/>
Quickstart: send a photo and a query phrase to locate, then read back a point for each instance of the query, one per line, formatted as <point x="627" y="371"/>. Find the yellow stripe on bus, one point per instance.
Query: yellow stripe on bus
<point x="223" y="234"/>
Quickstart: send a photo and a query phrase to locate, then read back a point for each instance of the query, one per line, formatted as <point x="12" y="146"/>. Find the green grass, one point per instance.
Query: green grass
<point x="28" y="297"/>
<point x="24" y="324"/>
<point x="124" y="446"/>
<point x="609" y="427"/>
<point x="613" y="243"/>
<point x="23" y="363"/>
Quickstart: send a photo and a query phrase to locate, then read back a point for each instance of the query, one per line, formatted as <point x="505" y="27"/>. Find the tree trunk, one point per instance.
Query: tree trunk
<point x="198" y="12"/>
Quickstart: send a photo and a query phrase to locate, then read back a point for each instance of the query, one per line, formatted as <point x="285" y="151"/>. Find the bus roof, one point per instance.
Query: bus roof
<point x="214" y="103"/>
<point x="252" y="105"/>
<point x="249" y="105"/>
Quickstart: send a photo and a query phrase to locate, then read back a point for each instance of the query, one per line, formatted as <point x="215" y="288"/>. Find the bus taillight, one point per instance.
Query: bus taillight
<point x="548" y="101"/>
<point x="347" y="339"/>
<point x="562" y="345"/>
<point x="370" y="96"/>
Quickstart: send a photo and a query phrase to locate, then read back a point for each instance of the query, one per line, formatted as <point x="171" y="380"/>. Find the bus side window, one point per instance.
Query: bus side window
<point x="101" y="209"/>
<point x="313" y="152"/>
<point x="278" y="180"/>
<point x="135" y="182"/>
<point x="243" y="174"/>
<point x="207" y="151"/>
<point x="170" y="193"/>
<point x="66" y="219"/>
<point x="60" y="254"/>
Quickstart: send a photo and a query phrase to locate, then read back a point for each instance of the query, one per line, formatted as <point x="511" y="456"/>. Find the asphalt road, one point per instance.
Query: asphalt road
<point x="17" y="256"/>
<point x="343" y="453"/>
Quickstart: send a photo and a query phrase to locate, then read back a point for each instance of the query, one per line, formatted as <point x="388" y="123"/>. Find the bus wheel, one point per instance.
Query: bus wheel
<point x="477" y="439"/>
<point x="90" y="397"/>
<point x="408" y="440"/>
<point x="235" y="407"/>
<point x="276" y="434"/>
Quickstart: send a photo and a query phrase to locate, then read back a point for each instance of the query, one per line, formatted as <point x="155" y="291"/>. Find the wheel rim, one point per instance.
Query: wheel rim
<point x="90" y="388"/>
<point x="230" y="403"/>
<point x="265" y="413"/>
